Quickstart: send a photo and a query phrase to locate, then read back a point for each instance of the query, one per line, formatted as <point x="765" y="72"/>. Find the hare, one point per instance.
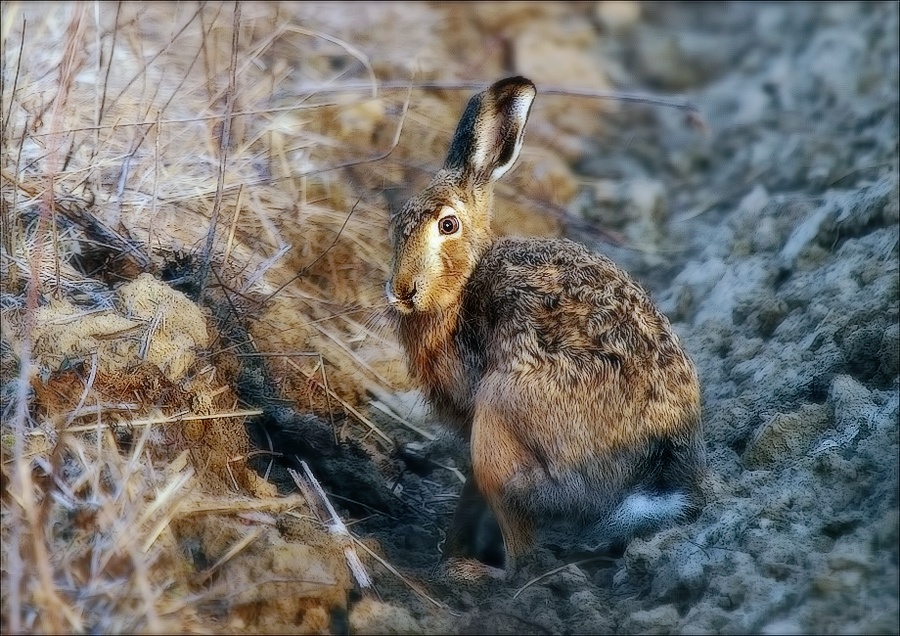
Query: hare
<point x="581" y="408"/>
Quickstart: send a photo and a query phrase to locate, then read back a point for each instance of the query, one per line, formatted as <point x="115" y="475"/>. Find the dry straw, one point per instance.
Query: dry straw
<point x="131" y="134"/>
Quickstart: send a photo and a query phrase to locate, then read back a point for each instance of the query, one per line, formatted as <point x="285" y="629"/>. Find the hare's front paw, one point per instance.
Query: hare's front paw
<point x="470" y="572"/>
<point x="423" y="457"/>
<point x="417" y="457"/>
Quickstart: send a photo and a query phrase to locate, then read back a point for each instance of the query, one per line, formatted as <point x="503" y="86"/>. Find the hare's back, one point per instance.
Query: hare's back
<point x="553" y="304"/>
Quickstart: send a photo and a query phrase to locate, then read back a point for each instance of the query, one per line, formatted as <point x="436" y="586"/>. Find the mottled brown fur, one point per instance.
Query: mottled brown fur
<point x="570" y="385"/>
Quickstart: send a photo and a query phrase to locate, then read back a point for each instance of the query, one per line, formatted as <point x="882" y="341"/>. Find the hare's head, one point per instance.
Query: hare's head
<point x="440" y="235"/>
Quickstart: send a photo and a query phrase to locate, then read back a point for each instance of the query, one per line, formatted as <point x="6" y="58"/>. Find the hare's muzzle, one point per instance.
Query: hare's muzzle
<point x="400" y="299"/>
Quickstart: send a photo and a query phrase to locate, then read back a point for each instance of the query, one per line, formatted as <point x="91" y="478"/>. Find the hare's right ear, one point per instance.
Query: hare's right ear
<point x="489" y="135"/>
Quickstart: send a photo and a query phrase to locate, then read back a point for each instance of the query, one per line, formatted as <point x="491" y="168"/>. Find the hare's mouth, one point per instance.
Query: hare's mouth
<point x="403" y="304"/>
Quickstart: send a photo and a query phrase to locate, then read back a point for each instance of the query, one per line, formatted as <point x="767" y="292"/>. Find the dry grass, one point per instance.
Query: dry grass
<point x="128" y="133"/>
<point x="258" y="140"/>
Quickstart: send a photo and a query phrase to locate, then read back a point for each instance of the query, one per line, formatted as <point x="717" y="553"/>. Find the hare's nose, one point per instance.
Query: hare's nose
<point x="400" y="295"/>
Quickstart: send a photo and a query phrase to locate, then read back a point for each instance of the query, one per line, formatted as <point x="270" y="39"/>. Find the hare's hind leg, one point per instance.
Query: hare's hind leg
<point x="667" y="491"/>
<point x="473" y="552"/>
<point x="474" y="532"/>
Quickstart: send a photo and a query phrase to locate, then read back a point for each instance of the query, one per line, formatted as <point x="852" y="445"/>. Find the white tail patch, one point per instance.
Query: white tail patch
<point x="640" y="512"/>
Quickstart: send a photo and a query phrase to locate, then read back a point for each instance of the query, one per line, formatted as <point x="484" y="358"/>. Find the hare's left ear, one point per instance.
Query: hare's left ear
<point x="489" y="135"/>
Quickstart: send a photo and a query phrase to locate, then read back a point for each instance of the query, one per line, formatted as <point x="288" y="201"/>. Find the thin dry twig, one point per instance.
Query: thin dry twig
<point x="377" y="404"/>
<point x="224" y="144"/>
<point x="109" y="63"/>
<point x="232" y="552"/>
<point x="22" y="486"/>
<point x="352" y="411"/>
<point x="335" y="525"/>
<point x="639" y="98"/>
<point x="410" y="584"/>
<point x="272" y="504"/>
<point x="549" y="573"/>
<point x="622" y="96"/>
<point x="153" y="59"/>
<point x="190" y="120"/>
<point x="234" y="222"/>
<point x="306" y="268"/>
<point x="92" y="376"/>
<point x="168" y="419"/>
<point x="352" y="50"/>
<point x="15" y="84"/>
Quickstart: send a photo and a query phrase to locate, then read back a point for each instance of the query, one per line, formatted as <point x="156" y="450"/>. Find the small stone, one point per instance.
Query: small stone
<point x="889" y="354"/>
<point x="784" y="626"/>
<point x="785" y="436"/>
<point x="370" y="616"/>
<point x="862" y="348"/>
<point x="852" y="402"/>
<point x="589" y="615"/>
<point x="617" y="16"/>
<point x="770" y="316"/>
<point x="659" y="620"/>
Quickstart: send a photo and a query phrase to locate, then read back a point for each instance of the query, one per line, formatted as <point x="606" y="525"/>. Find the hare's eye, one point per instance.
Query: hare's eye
<point x="449" y="225"/>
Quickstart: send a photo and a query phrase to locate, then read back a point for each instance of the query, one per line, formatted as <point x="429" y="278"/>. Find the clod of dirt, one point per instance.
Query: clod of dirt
<point x="151" y="322"/>
<point x="371" y="616"/>
<point x="786" y="436"/>
<point x="289" y="580"/>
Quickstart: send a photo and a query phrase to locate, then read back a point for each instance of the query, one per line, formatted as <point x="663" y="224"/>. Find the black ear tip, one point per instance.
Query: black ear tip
<point x="489" y="134"/>
<point x="517" y="84"/>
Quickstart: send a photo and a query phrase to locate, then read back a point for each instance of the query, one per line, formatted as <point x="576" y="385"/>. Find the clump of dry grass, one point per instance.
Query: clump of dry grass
<point x="118" y="152"/>
<point x="102" y="514"/>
